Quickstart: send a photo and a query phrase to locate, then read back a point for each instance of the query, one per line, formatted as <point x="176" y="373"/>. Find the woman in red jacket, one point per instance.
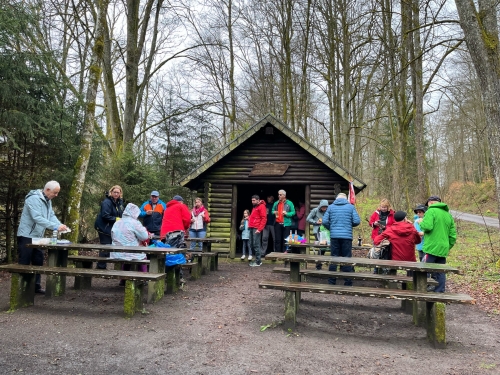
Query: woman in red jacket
<point x="176" y="217"/>
<point x="382" y="218"/>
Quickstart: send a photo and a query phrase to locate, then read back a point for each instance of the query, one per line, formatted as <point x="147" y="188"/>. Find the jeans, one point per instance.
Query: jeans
<point x="255" y="243"/>
<point x="29" y="255"/>
<point x="104" y="239"/>
<point x="269" y="229"/>
<point x="343" y="248"/>
<point x="197" y="233"/>
<point x="440" y="277"/>
<point x="281" y="233"/>
<point x="245" y="247"/>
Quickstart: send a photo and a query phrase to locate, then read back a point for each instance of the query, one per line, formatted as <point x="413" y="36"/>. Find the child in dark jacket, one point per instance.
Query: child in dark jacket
<point x="245" y="235"/>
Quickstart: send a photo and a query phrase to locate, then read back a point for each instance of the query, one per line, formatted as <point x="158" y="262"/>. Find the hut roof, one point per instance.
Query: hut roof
<point x="299" y="140"/>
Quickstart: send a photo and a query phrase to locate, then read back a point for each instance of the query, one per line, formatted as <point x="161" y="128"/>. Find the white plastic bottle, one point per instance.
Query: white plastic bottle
<point x="53" y="239"/>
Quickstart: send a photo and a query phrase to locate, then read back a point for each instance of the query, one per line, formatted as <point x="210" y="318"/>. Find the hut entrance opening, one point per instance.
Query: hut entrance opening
<point x="294" y="193"/>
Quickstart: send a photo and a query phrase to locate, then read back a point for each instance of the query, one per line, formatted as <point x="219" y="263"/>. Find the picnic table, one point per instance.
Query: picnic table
<point x="207" y="242"/>
<point x="58" y="257"/>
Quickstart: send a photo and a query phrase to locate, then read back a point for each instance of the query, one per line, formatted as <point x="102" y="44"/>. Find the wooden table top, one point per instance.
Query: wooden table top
<point x="364" y="262"/>
<point x="113" y="248"/>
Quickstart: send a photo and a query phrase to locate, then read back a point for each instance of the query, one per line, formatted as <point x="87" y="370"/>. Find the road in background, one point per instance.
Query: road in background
<point x="489" y="221"/>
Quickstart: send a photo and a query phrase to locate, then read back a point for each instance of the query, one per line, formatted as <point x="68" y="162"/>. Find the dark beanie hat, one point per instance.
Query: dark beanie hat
<point x="178" y="198"/>
<point x="399" y="215"/>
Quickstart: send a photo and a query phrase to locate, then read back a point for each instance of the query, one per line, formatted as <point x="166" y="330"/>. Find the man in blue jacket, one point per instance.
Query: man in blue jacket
<point x="341" y="217"/>
<point x="152" y="213"/>
<point x="37" y="216"/>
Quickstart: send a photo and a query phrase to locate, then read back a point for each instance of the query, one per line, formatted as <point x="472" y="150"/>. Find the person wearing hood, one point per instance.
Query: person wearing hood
<point x="315" y="217"/>
<point x="256" y="224"/>
<point x="152" y="213"/>
<point x="419" y="214"/>
<point x="37" y="216"/>
<point x="283" y="210"/>
<point x="129" y="232"/>
<point x="340" y="218"/>
<point x="440" y="236"/>
<point x="403" y="237"/>
<point x="111" y="211"/>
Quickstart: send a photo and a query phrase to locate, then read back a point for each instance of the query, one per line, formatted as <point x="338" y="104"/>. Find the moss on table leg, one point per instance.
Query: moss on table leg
<point x="133" y="298"/>
<point x="290" y="310"/>
<point x="436" y="324"/>
<point x="22" y="290"/>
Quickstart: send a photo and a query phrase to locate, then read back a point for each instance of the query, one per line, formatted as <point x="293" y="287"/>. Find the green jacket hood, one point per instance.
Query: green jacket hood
<point x="440" y="205"/>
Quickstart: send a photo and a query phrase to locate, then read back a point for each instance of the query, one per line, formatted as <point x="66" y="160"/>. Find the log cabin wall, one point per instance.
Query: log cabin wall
<point x="222" y="180"/>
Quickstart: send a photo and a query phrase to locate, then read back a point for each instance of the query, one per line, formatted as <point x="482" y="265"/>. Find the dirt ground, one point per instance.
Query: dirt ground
<point x="213" y="326"/>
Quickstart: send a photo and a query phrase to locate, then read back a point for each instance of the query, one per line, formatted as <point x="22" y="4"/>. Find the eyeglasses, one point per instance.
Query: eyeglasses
<point x="281" y="194"/>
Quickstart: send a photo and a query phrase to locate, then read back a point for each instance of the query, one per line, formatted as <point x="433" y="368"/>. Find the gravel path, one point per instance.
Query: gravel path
<point x="213" y="327"/>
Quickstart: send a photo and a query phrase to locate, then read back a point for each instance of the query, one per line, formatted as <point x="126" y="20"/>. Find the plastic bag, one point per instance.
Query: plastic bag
<point x="174" y="259"/>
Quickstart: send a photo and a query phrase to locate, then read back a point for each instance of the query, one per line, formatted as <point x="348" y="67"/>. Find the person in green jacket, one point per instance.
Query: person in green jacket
<point x="440" y="236"/>
<point x="283" y="210"/>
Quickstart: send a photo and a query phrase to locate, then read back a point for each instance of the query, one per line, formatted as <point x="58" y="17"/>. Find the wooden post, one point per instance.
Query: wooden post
<point x="420" y="285"/>
<point x="436" y="324"/>
<point x="307" y="202"/>
<point x="290" y="310"/>
<point x="156" y="289"/>
<point x="133" y="297"/>
<point x="22" y="290"/>
<point x="234" y="222"/>
<point x="56" y="284"/>
<point x="171" y="282"/>
<point x="295" y="278"/>
<point x="83" y="282"/>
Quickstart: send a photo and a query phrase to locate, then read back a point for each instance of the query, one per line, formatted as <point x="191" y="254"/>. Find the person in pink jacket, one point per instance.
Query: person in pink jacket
<point x="256" y="223"/>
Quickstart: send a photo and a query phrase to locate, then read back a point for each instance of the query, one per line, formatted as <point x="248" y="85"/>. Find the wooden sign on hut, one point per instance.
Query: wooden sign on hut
<point x="264" y="159"/>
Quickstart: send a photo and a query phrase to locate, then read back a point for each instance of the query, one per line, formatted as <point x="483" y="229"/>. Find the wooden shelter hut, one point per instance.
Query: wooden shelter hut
<point x="267" y="157"/>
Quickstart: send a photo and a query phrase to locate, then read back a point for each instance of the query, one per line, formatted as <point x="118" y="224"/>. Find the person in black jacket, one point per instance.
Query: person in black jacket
<point x="111" y="211"/>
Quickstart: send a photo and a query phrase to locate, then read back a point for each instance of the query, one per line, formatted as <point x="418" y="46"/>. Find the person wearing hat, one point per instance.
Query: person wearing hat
<point x="419" y="214"/>
<point x="340" y="217"/>
<point x="176" y="218"/>
<point x="403" y="236"/>
<point x="152" y="213"/>
<point x="440" y="236"/>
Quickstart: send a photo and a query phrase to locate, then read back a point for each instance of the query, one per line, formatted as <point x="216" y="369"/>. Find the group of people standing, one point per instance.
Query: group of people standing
<point x="277" y="218"/>
<point x="432" y="233"/>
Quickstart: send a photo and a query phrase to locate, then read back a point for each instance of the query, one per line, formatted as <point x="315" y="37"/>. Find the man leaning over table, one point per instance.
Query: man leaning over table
<point x="340" y="218"/>
<point x="440" y="236"/>
<point x="37" y="216"/>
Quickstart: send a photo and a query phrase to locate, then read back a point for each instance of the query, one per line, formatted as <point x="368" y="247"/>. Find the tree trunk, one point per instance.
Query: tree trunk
<point x="80" y="169"/>
<point x="481" y="35"/>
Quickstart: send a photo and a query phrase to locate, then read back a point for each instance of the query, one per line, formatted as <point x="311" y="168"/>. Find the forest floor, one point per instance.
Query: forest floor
<point x="224" y="324"/>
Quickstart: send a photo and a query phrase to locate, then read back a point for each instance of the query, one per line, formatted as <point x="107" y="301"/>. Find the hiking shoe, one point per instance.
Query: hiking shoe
<point x="431" y="288"/>
<point x="243" y="257"/>
<point x="250" y="257"/>
<point x="255" y="264"/>
<point x="40" y="291"/>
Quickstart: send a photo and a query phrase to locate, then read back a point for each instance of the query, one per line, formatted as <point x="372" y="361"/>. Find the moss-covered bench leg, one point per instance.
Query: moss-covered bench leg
<point x="83" y="282"/>
<point x="133" y="297"/>
<point x="214" y="262"/>
<point x="172" y="279"/>
<point x="436" y="324"/>
<point x="22" y="290"/>
<point x="408" y="307"/>
<point x="156" y="289"/>
<point x="290" y="310"/>
<point x="419" y="309"/>
<point x="55" y="284"/>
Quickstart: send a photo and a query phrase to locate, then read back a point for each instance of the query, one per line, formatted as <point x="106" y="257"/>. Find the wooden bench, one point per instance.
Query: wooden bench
<point x="82" y="261"/>
<point x="206" y="261"/>
<point x="435" y="302"/>
<point x="354" y="276"/>
<point x="22" y="292"/>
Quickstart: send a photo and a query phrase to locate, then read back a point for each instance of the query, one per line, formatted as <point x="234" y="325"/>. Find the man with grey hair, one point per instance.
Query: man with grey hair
<point x="37" y="216"/>
<point x="283" y="211"/>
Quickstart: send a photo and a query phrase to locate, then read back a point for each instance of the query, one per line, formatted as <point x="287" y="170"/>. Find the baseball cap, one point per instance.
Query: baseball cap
<point x="434" y="198"/>
<point x="155" y="193"/>
<point x="420" y="207"/>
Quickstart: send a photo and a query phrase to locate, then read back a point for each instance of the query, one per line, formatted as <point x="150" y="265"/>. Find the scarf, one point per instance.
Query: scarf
<point x="197" y="211"/>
